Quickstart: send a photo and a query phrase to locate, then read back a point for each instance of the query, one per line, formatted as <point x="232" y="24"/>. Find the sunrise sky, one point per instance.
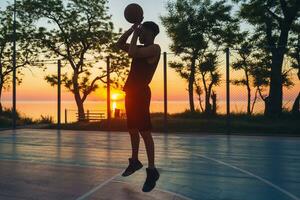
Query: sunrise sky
<point x="35" y="88"/>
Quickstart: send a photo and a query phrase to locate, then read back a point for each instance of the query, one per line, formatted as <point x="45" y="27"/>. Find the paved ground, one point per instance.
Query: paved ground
<point x="49" y="164"/>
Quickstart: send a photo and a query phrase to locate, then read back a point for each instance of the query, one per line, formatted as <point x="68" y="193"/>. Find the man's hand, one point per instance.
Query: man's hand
<point x="122" y="41"/>
<point x="135" y="26"/>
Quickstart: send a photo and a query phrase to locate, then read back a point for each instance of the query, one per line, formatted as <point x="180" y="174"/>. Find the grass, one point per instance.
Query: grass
<point x="6" y="119"/>
<point x="197" y="122"/>
<point x="185" y="122"/>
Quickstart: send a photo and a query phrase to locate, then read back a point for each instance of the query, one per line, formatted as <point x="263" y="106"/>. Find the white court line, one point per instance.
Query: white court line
<point x="160" y="190"/>
<point x="89" y="193"/>
<point x="174" y="194"/>
<point x="253" y="175"/>
<point x="87" y="166"/>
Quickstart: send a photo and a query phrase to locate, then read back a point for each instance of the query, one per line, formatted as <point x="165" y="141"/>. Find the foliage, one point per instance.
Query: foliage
<point x="45" y="120"/>
<point x="210" y="77"/>
<point x="196" y="27"/>
<point x="272" y="21"/>
<point x="27" y="54"/>
<point x="119" y="62"/>
<point x="80" y="33"/>
<point x="245" y="63"/>
<point x="294" y="53"/>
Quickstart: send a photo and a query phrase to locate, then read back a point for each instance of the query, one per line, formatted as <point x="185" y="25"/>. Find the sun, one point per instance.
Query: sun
<point x="117" y="95"/>
<point x="114" y="96"/>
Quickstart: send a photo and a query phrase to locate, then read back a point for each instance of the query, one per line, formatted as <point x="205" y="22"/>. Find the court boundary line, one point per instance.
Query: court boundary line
<point x="101" y="185"/>
<point x="294" y="197"/>
<point x="92" y="167"/>
<point x="269" y="183"/>
<point x="93" y="190"/>
<point x="160" y="190"/>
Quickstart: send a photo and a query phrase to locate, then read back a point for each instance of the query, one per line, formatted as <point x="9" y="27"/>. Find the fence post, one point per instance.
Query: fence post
<point x="66" y="116"/>
<point x="58" y="94"/>
<point x="228" y="91"/>
<point x="108" y="93"/>
<point x="165" y="94"/>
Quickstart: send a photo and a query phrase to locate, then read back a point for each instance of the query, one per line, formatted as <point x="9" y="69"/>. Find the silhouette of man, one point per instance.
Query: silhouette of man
<point x="145" y="59"/>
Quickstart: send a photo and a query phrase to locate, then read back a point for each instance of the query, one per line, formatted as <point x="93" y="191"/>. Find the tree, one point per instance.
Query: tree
<point x="210" y="77"/>
<point x="193" y="26"/>
<point x="27" y="55"/>
<point x="245" y="63"/>
<point x="78" y="32"/>
<point x="294" y="54"/>
<point x="272" y="19"/>
<point x="261" y="73"/>
<point x="199" y="92"/>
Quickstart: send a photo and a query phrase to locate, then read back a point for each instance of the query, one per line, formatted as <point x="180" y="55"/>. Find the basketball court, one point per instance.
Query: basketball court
<point x="51" y="164"/>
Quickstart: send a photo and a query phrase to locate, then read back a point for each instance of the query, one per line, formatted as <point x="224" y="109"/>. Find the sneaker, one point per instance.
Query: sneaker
<point x="133" y="166"/>
<point x="152" y="177"/>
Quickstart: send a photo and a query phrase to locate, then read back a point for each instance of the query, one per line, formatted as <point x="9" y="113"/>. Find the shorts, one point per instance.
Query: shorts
<point x="137" y="103"/>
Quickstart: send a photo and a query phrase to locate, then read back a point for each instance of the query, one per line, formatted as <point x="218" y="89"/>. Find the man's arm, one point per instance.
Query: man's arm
<point x="143" y="52"/>
<point x="123" y="39"/>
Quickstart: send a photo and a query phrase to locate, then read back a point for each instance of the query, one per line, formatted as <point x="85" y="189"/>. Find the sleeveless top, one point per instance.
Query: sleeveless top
<point x="140" y="74"/>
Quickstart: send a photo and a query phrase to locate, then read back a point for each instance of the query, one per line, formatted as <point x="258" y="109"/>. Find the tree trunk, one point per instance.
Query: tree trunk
<point x="207" y="91"/>
<point x="214" y="103"/>
<point x="80" y="109"/>
<point x="79" y="103"/>
<point x="191" y="85"/>
<point x="248" y="100"/>
<point x="275" y="95"/>
<point x="199" y="92"/>
<point x="254" y="101"/>
<point x="208" y="107"/>
<point x="207" y="103"/>
<point x="249" y="103"/>
<point x="248" y="93"/>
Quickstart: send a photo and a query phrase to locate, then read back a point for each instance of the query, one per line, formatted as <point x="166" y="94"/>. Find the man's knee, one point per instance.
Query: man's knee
<point x="133" y="131"/>
<point x="145" y="134"/>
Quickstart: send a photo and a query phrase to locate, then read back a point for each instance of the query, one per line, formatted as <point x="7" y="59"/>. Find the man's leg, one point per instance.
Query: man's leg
<point x="152" y="173"/>
<point x="134" y="163"/>
<point x="135" y="142"/>
<point x="149" y="144"/>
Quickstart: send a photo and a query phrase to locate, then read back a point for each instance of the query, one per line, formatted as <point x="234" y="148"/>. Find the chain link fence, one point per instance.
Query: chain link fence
<point x="170" y="89"/>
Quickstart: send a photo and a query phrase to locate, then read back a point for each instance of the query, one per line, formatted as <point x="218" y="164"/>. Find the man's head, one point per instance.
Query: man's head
<point x="149" y="30"/>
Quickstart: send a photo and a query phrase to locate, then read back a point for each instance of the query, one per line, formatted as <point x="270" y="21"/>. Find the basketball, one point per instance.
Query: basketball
<point x="134" y="13"/>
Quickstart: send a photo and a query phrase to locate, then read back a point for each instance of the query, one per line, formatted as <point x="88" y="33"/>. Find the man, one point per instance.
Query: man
<point x="145" y="59"/>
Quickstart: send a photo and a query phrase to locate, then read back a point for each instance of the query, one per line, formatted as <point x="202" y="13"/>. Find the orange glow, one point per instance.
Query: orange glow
<point x="35" y="88"/>
<point x="114" y="106"/>
<point x="117" y="95"/>
<point x="114" y="96"/>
